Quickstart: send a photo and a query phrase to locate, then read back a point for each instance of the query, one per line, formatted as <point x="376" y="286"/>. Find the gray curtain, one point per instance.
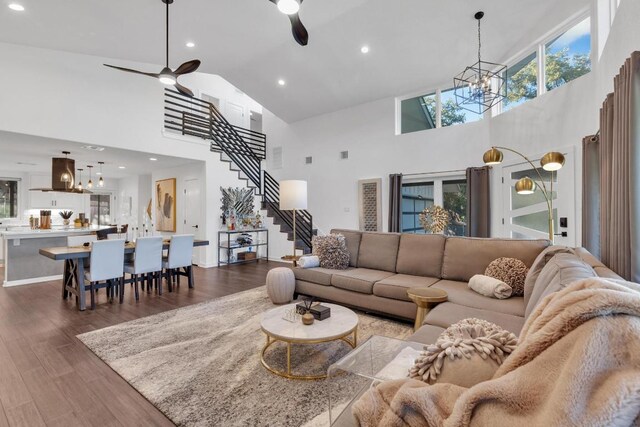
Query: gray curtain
<point x="591" y="194"/>
<point x="620" y="173"/>
<point x="395" y="203"/>
<point x="478" y="202"/>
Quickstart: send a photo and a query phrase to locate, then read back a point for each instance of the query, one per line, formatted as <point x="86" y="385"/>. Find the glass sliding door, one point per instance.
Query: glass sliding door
<point x="101" y="209"/>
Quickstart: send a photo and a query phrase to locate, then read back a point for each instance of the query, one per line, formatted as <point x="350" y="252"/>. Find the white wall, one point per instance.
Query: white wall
<point x="555" y="120"/>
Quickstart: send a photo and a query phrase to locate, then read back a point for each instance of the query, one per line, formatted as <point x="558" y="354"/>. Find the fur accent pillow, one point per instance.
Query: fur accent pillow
<point x="332" y="251"/>
<point x="511" y="271"/>
<point x="465" y="354"/>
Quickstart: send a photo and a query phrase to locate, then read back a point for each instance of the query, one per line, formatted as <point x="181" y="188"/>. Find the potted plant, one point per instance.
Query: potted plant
<point x="66" y="217"/>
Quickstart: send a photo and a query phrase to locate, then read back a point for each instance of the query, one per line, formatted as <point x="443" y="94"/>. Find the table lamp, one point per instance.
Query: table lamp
<point x="293" y="197"/>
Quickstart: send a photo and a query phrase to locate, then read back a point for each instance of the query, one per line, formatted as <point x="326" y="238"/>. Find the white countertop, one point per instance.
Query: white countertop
<point x="27" y="233"/>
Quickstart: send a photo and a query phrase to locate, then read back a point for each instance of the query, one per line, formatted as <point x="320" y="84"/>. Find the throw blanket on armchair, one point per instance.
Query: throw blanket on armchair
<point x="577" y="364"/>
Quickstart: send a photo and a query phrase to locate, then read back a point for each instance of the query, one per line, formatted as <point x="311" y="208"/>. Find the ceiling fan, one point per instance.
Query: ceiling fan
<point x="291" y="8"/>
<point x="167" y="76"/>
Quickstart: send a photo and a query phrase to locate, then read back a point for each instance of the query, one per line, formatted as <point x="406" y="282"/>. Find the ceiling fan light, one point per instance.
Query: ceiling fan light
<point x="288" y="7"/>
<point x="167" y="77"/>
<point x="552" y="161"/>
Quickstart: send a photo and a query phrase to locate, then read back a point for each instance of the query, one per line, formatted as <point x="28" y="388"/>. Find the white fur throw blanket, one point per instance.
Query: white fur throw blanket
<point x="577" y="364"/>
<point x="490" y="287"/>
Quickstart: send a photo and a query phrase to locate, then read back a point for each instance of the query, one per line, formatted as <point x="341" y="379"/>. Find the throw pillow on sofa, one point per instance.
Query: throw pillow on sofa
<point x="511" y="271"/>
<point x="490" y="287"/>
<point x="332" y="251"/>
<point x="465" y="354"/>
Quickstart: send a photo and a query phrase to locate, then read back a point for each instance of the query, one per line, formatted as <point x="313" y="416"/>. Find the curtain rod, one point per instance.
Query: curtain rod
<point x="436" y="173"/>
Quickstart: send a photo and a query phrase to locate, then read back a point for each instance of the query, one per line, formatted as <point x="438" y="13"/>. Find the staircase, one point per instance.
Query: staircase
<point x="244" y="150"/>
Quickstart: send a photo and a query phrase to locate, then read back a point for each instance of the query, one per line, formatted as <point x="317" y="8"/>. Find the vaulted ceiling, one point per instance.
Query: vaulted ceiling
<point x="414" y="44"/>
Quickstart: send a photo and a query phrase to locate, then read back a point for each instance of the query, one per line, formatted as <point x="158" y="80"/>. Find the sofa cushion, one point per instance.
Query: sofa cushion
<point x="353" y="244"/>
<point x="420" y="254"/>
<point x="379" y="251"/>
<point x="319" y="275"/>
<point x="446" y="314"/>
<point x="460" y="293"/>
<point x="560" y="271"/>
<point x="358" y="279"/>
<point x="395" y="287"/>
<point x="541" y="260"/>
<point x="427" y="334"/>
<point x="465" y="257"/>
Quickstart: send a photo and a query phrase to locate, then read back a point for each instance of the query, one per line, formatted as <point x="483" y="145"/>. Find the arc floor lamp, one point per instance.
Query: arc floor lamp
<point x="551" y="162"/>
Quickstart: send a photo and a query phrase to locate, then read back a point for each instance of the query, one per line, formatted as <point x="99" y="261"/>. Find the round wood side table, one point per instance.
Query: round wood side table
<point x="425" y="299"/>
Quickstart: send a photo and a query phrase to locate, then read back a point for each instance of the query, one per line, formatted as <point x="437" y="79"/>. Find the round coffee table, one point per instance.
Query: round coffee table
<point x="425" y="298"/>
<point x="342" y="325"/>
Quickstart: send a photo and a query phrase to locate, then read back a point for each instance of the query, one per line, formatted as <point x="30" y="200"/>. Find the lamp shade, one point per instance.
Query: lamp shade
<point x="525" y="186"/>
<point x="293" y="195"/>
<point x="552" y="161"/>
<point x="493" y="157"/>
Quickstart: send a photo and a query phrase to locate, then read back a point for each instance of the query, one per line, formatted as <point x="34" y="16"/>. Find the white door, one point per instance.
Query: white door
<point x="234" y="114"/>
<point x="193" y="219"/>
<point x="526" y="216"/>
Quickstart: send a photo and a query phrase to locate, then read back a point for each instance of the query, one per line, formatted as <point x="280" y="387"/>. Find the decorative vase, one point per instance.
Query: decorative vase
<point x="307" y="318"/>
<point x="66" y="222"/>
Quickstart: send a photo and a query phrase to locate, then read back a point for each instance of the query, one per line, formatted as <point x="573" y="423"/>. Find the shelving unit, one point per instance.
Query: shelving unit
<point x="227" y="243"/>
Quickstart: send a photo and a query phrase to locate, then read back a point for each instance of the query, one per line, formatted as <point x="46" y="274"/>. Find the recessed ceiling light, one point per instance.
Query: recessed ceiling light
<point x="122" y="167"/>
<point x="191" y="44"/>
<point x="153" y="159"/>
<point x="98" y="173"/>
<point x="364" y="49"/>
<point x="282" y="82"/>
<point x="93" y="148"/>
<point x="17" y="7"/>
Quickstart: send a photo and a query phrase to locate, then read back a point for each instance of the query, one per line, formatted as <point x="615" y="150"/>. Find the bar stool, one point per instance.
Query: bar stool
<point x="147" y="262"/>
<point x="180" y="256"/>
<point x="107" y="267"/>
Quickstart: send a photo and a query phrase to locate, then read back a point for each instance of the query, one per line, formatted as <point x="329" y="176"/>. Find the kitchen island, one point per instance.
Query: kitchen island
<point x="23" y="263"/>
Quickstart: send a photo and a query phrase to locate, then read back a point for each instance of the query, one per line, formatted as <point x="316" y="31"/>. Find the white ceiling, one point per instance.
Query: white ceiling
<point x="32" y="154"/>
<point x="414" y="43"/>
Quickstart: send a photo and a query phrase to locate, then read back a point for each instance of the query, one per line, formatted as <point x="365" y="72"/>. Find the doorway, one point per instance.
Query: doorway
<point x="193" y="223"/>
<point x="234" y="114"/>
<point x="526" y="216"/>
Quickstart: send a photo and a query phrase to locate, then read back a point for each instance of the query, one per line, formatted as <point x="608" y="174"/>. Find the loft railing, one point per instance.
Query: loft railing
<point x="244" y="147"/>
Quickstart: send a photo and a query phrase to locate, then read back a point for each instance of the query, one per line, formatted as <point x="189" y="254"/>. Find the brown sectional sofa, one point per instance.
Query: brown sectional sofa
<point x="383" y="266"/>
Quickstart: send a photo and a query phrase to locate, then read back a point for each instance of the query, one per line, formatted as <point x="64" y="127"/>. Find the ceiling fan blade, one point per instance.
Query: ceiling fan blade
<point x="188" y="67"/>
<point x="183" y="90"/>
<point x="299" y="31"/>
<point x="129" y="70"/>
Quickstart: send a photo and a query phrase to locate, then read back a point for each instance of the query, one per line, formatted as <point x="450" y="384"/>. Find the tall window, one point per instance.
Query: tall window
<point x="452" y="114"/>
<point x="568" y="56"/>
<point x="450" y="194"/>
<point x="8" y="198"/>
<point x="522" y="82"/>
<point x="418" y="113"/>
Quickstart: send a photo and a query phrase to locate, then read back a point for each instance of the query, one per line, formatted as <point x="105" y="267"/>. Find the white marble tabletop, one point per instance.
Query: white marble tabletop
<point x="341" y="322"/>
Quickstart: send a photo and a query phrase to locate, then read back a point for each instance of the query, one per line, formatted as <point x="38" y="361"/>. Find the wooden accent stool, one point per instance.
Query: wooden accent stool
<point x="425" y="299"/>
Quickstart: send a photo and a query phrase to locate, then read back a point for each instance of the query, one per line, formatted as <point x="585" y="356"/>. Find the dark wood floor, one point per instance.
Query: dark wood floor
<point x="48" y="377"/>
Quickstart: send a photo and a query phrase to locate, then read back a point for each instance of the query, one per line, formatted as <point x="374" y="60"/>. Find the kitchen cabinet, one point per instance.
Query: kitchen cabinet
<point x="55" y="200"/>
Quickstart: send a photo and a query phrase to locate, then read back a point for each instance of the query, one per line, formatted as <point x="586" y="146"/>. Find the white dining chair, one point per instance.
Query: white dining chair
<point x="107" y="268"/>
<point x="147" y="264"/>
<point x="180" y="256"/>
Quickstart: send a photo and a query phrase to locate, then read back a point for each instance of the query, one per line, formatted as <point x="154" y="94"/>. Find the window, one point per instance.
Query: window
<point x="415" y="198"/>
<point x="8" y="198"/>
<point x="454" y="196"/>
<point x="418" y="113"/>
<point x="522" y="82"/>
<point x="452" y="114"/>
<point x="450" y="194"/>
<point x="568" y="56"/>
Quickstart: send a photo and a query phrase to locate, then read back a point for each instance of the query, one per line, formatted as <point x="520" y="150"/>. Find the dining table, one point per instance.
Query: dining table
<point x="75" y="260"/>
